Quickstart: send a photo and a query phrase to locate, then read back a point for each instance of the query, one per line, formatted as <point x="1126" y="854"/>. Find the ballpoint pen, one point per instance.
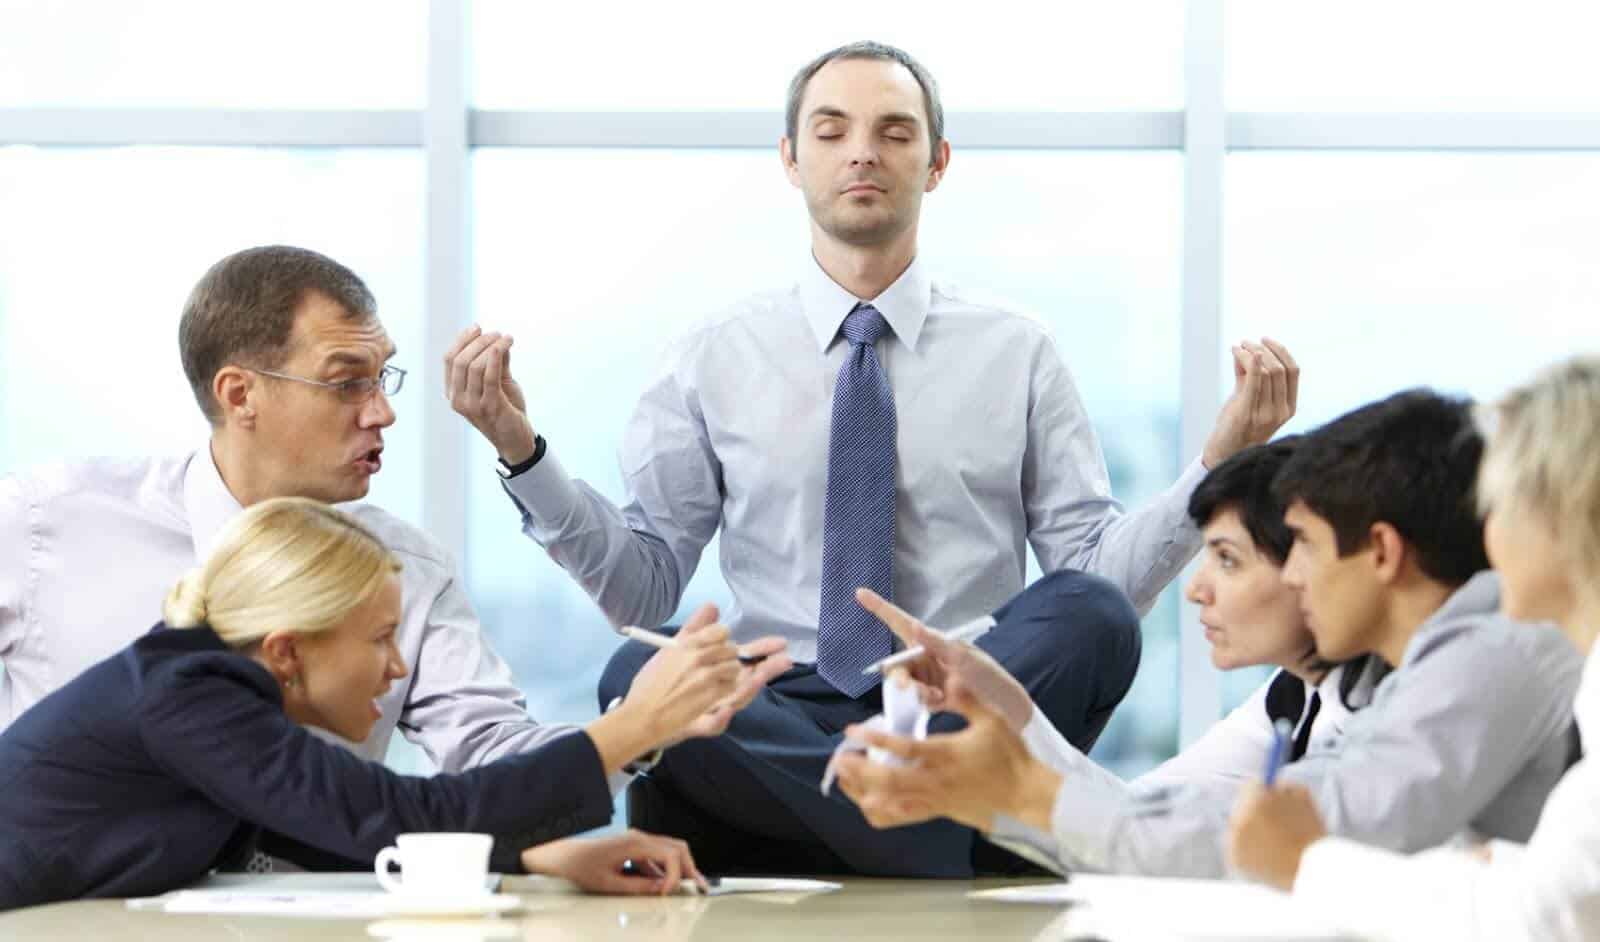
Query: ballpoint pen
<point x="971" y="631"/>
<point x="1281" y="728"/>
<point x="657" y="640"/>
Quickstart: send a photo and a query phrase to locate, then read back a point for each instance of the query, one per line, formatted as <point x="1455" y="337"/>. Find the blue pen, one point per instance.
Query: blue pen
<point x="1281" y="729"/>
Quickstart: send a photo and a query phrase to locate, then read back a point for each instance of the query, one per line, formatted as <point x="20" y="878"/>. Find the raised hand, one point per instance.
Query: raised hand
<point x="1266" y="391"/>
<point x="679" y="685"/>
<point x="478" y="383"/>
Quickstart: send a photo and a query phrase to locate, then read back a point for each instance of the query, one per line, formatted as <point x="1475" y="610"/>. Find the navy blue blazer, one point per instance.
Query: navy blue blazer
<point x="174" y="757"/>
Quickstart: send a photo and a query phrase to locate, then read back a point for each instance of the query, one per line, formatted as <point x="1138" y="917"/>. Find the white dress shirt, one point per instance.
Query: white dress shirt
<point x="1231" y="752"/>
<point x="995" y="453"/>
<point x="1547" y="890"/>
<point x="90" y="549"/>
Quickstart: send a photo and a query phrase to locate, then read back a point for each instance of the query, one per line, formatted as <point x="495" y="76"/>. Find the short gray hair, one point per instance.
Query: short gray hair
<point x="243" y="308"/>
<point x="867" y="49"/>
<point x="1541" y="454"/>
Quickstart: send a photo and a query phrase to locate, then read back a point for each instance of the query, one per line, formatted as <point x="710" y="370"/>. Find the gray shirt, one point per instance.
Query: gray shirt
<point x="995" y="453"/>
<point x="1469" y="733"/>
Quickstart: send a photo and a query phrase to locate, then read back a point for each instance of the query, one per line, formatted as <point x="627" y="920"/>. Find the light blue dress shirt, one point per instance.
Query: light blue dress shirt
<point x="995" y="453"/>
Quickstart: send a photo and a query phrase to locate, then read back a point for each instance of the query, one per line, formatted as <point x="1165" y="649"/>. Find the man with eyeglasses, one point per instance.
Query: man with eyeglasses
<point x="287" y="359"/>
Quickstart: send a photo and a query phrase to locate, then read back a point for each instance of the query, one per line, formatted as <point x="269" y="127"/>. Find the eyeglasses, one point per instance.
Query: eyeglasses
<point x="389" y="379"/>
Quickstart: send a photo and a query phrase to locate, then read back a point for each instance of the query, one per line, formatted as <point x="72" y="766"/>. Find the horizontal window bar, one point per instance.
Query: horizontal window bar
<point x="1160" y="130"/>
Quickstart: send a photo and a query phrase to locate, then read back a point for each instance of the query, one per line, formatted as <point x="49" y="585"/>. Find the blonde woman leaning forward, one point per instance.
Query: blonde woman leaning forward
<point x="1540" y="488"/>
<point x="188" y="750"/>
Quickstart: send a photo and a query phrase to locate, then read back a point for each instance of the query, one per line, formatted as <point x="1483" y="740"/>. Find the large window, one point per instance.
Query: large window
<point x="194" y="53"/>
<point x="1403" y="193"/>
<point x="729" y="55"/>
<point x="1535" y="56"/>
<point x="98" y="250"/>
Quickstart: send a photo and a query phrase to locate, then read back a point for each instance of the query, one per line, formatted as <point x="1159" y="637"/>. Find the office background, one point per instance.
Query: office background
<point x="1401" y="192"/>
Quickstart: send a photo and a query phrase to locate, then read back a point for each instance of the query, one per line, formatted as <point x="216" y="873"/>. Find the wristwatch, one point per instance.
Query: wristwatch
<point x="645" y="762"/>
<point x="509" y="471"/>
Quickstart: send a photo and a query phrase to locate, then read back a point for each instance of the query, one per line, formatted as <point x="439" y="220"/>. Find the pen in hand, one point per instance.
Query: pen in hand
<point x="1281" y="730"/>
<point x="658" y="640"/>
<point x="961" y="634"/>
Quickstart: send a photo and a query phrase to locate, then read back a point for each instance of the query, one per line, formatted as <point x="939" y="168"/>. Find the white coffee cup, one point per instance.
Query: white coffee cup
<point x="436" y="864"/>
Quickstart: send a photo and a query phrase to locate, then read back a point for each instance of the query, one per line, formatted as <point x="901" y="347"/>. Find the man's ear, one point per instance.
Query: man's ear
<point x="791" y="169"/>
<point x="941" y="163"/>
<point x="234" y="389"/>
<point x="1389" y="551"/>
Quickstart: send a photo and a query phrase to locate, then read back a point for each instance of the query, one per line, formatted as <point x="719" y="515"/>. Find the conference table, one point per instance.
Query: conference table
<point x="862" y="909"/>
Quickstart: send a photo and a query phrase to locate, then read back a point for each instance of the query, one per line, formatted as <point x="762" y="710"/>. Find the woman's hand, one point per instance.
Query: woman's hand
<point x="967" y="776"/>
<point x="752" y="677"/>
<point x="596" y="864"/>
<point x="947" y="663"/>
<point x="690" y="689"/>
<point x="1270" y="830"/>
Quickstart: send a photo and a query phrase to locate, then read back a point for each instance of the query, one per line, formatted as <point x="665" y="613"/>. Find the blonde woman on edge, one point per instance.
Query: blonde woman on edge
<point x="1540" y="490"/>
<point x="188" y="750"/>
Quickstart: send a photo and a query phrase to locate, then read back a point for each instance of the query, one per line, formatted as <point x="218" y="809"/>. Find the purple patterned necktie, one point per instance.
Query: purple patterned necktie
<point x="858" y="518"/>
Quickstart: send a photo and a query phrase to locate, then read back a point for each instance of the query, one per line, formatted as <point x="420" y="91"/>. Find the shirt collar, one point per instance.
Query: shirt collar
<point x="208" y="501"/>
<point x="903" y="304"/>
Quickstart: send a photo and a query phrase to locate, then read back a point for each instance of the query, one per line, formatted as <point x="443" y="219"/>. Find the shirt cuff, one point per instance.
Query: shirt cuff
<point x="1082" y="820"/>
<point x="1045" y="742"/>
<point x="1026" y="842"/>
<point x="545" y="495"/>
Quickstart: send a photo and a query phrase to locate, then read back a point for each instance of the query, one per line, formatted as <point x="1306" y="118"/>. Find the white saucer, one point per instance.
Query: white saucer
<point x="455" y="904"/>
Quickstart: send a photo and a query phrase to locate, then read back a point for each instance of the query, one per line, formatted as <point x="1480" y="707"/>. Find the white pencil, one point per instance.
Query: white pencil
<point x="657" y="640"/>
<point x="971" y="631"/>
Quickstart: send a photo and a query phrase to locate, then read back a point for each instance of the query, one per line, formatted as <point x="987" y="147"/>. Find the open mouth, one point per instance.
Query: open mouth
<point x="372" y="461"/>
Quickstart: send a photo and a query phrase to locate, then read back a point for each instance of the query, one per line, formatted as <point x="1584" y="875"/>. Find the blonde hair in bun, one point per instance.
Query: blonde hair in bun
<point x="186" y="603"/>
<point x="289" y="563"/>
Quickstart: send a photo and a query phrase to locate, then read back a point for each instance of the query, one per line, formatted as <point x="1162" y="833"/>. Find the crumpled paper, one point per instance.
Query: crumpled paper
<point x="904" y="714"/>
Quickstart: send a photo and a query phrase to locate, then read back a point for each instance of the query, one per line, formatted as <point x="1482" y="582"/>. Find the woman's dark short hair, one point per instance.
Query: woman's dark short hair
<point x="1243" y="484"/>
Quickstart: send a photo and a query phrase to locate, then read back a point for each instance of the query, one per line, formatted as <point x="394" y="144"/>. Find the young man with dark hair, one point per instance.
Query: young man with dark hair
<point x="864" y="425"/>
<point x="1468" y="733"/>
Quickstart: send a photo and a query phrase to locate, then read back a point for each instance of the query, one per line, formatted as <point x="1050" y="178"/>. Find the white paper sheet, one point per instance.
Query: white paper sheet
<point x="323" y="904"/>
<point x="1159" y="908"/>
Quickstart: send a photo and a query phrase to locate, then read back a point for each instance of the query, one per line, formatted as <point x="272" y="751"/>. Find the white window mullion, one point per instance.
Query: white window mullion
<point x="1199" y="687"/>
